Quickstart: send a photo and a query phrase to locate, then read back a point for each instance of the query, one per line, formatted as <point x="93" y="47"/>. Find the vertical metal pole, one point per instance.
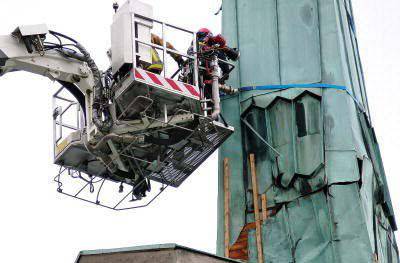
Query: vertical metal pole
<point x="226" y="206"/>
<point x="256" y="208"/>
<point x="78" y="107"/>
<point x="54" y="128"/>
<point x="204" y="103"/>
<point x="61" y="126"/>
<point x="165" y="113"/>
<point x="164" y="48"/>
<point x="196" y="62"/>
<point x="133" y="30"/>
<point x="196" y="75"/>
<point x="89" y="109"/>
<point x="216" y="75"/>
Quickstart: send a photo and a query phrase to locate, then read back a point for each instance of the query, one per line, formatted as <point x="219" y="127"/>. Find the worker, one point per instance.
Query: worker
<point x="207" y="43"/>
<point x="157" y="65"/>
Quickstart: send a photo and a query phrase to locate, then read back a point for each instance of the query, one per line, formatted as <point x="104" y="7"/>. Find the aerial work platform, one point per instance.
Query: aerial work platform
<point x="163" y="126"/>
<point x="152" y="117"/>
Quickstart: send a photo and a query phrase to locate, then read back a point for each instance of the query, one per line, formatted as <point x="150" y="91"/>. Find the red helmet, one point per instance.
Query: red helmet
<point x="204" y="30"/>
<point x="203" y="33"/>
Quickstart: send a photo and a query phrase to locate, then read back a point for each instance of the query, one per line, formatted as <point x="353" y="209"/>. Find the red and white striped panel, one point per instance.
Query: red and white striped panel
<point x="166" y="83"/>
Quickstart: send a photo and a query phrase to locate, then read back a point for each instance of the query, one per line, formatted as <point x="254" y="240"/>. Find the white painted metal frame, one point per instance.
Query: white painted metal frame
<point x="58" y="122"/>
<point x="165" y="50"/>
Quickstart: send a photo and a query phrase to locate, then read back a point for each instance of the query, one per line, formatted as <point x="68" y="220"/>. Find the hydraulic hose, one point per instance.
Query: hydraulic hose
<point x="101" y="116"/>
<point x="98" y="101"/>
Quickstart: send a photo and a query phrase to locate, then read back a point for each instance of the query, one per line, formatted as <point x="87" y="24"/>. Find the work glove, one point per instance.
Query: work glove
<point x="180" y="61"/>
<point x="232" y="53"/>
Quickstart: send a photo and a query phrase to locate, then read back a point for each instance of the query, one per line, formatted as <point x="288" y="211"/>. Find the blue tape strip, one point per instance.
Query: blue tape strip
<point x="289" y="86"/>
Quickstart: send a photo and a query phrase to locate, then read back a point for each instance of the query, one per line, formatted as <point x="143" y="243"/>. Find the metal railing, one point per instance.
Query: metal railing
<point x="165" y="51"/>
<point x="59" y="123"/>
<point x="193" y="58"/>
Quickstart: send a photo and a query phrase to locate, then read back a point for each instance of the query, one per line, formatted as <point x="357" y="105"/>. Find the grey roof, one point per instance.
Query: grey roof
<point x="155" y="247"/>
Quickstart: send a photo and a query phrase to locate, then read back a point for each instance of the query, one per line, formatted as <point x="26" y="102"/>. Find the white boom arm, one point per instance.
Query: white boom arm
<point x="14" y="56"/>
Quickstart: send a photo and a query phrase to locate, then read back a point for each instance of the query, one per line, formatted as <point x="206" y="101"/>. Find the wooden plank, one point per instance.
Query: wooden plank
<point x="226" y="206"/>
<point x="256" y="208"/>
<point x="264" y="207"/>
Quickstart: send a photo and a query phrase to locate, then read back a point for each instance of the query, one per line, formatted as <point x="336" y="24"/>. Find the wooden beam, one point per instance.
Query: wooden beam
<point x="256" y="208"/>
<point x="226" y="206"/>
<point x="264" y="207"/>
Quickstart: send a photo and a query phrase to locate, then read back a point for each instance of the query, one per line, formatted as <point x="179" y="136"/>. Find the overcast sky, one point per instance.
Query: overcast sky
<point x="38" y="224"/>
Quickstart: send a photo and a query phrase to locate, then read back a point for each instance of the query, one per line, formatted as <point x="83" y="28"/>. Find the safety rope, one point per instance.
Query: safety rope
<point x="290" y="86"/>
